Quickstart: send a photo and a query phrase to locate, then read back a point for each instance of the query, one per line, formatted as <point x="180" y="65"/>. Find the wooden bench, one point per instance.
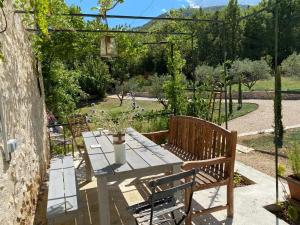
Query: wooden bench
<point x="63" y="192"/>
<point x="206" y="147"/>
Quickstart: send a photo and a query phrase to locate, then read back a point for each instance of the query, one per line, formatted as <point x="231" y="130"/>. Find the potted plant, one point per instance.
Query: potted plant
<point x="117" y="125"/>
<point x="294" y="179"/>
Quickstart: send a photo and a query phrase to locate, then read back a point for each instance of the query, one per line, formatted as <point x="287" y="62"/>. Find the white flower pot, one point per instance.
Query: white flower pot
<point x="120" y="153"/>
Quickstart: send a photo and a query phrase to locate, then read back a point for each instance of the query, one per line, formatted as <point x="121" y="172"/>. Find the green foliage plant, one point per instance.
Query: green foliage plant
<point x="115" y="123"/>
<point x="175" y="85"/>
<point x="95" y="77"/>
<point x="294" y="160"/>
<point x="41" y="11"/>
<point x="62" y="90"/>
<point x="290" y="67"/>
<point x="281" y="170"/>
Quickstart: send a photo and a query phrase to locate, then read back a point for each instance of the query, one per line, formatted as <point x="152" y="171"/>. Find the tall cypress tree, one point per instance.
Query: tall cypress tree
<point x="233" y="39"/>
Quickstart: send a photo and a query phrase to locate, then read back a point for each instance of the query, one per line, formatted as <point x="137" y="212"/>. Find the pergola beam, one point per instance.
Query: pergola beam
<point x="129" y="17"/>
<point x="110" y="31"/>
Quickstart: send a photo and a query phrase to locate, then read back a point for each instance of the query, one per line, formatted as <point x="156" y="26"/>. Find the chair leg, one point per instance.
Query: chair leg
<point x="230" y="208"/>
<point x="188" y="219"/>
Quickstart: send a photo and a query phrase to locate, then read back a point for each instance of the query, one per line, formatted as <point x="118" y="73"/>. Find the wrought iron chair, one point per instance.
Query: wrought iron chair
<point x="161" y="205"/>
<point x="77" y="125"/>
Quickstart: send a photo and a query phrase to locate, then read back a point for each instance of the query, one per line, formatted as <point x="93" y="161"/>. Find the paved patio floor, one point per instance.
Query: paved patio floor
<point x="249" y="201"/>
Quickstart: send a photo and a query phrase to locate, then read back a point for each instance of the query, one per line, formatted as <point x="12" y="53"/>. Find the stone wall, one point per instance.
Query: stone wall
<point x="24" y="109"/>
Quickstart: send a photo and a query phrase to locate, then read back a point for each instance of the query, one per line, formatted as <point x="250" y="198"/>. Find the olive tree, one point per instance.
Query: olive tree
<point x="249" y="72"/>
<point x="291" y="66"/>
<point x="157" y="90"/>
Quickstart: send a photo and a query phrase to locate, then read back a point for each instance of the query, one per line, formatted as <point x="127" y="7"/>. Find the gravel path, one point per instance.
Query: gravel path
<point x="263" y="117"/>
<point x="260" y="119"/>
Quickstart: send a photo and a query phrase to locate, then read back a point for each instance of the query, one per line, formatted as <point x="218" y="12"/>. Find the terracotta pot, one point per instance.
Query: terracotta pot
<point x="294" y="186"/>
<point x="118" y="139"/>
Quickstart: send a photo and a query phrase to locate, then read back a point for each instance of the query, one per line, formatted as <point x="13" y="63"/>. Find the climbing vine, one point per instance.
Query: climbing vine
<point x="41" y="11"/>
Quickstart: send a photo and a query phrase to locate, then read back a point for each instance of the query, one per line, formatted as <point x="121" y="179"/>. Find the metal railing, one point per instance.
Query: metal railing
<point x="60" y="139"/>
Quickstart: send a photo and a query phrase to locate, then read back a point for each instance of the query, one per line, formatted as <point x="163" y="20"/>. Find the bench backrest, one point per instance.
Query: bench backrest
<point x="200" y="139"/>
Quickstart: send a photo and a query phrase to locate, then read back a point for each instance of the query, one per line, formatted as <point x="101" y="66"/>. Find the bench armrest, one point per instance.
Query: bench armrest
<point x="158" y="137"/>
<point x="208" y="162"/>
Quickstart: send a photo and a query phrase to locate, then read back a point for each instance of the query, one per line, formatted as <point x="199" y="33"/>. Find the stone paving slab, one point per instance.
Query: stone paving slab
<point x="249" y="201"/>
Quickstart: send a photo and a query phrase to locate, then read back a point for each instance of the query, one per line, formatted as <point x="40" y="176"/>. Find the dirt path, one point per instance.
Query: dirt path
<point x="260" y="119"/>
<point x="263" y="117"/>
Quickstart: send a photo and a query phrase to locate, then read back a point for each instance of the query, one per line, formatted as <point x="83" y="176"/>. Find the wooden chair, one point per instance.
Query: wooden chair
<point x="77" y="125"/>
<point x="162" y="205"/>
<point x="205" y="146"/>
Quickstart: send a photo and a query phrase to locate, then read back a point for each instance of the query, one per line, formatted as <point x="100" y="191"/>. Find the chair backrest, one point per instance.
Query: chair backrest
<point x="162" y="199"/>
<point x="201" y="139"/>
<point x="77" y="125"/>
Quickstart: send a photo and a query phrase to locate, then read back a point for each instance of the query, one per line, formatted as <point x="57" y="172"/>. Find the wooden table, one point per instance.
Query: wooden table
<point x="144" y="158"/>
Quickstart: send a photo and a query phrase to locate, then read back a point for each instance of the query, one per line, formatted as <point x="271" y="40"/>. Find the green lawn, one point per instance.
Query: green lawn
<point x="113" y="105"/>
<point x="288" y="83"/>
<point x="264" y="142"/>
<point x="247" y="108"/>
<point x="156" y="123"/>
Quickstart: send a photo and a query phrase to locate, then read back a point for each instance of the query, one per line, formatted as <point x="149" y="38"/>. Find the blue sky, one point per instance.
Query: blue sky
<point x="149" y="7"/>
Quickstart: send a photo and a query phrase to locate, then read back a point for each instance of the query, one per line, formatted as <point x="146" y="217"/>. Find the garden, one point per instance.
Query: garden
<point x="124" y="103"/>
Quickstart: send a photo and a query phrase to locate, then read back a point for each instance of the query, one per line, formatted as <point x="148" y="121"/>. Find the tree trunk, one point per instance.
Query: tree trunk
<point x="240" y="97"/>
<point x="230" y="99"/>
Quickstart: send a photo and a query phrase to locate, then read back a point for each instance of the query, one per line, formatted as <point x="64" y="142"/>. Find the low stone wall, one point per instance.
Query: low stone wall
<point x="267" y="95"/>
<point x="25" y="120"/>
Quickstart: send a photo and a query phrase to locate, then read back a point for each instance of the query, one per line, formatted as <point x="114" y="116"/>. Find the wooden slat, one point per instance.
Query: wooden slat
<point x="163" y="154"/>
<point x="99" y="162"/>
<point x="149" y="156"/>
<point x="117" y="168"/>
<point x="56" y="195"/>
<point x="135" y="161"/>
<point x="106" y="144"/>
<point x="70" y="184"/>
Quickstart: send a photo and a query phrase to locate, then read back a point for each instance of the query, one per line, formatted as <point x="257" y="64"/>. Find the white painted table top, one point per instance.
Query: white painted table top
<point x="141" y="154"/>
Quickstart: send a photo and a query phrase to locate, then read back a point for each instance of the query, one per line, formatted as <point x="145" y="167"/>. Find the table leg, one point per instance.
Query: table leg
<point x="88" y="167"/>
<point x="103" y="201"/>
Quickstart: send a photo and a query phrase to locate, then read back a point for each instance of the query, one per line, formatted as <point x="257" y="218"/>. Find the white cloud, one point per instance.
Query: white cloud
<point x="194" y="3"/>
<point x="164" y="10"/>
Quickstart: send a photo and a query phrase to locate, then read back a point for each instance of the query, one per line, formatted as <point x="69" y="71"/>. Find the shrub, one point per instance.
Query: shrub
<point x="62" y="90"/>
<point x="291" y="66"/>
<point x="294" y="160"/>
<point x="95" y="77"/>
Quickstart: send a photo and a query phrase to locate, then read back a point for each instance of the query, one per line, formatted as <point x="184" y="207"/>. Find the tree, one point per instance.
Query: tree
<point x="249" y="72"/>
<point x="157" y="89"/>
<point x="126" y="87"/>
<point x="62" y="90"/>
<point x="255" y="41"/>
<point x="94" y="77"/>
<point x="233" y="39"/>
<point x="290" y="67"/>
<point x="259" y="70"/>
